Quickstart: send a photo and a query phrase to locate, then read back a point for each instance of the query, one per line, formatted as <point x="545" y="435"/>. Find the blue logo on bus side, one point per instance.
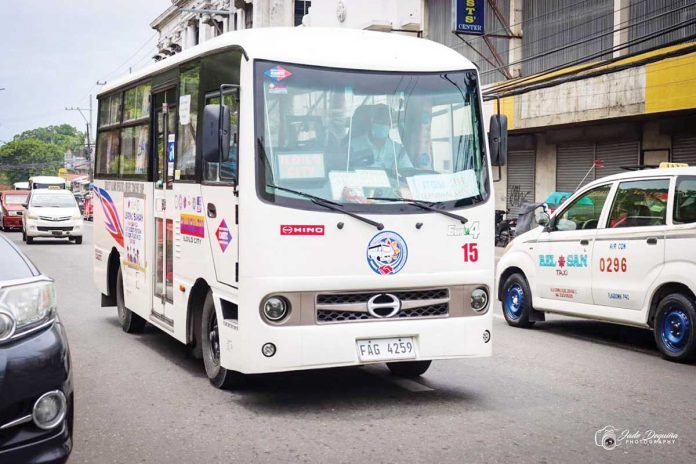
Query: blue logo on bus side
<point x="387" y="253"/>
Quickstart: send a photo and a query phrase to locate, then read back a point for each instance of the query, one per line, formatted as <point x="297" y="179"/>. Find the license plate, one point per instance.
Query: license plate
<point x="386" y="349"/>
<point x="57" y="232"/>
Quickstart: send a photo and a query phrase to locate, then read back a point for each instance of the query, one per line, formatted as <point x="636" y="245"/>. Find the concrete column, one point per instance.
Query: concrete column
<point x="545" y="181"/>
<point x="189" y="36"/>
<point x="621" y="16"/>
<point x="656" y="146"/>
<point x="515" y="53"/>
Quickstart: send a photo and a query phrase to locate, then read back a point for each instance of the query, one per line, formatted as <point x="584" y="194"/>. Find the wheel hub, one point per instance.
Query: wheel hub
<point x="675" y="330"/>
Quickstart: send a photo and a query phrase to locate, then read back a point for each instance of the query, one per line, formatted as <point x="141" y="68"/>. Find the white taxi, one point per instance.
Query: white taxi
<point x="622" y="249"/>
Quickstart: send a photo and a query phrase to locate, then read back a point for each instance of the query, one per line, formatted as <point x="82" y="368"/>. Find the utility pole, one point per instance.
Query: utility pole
<point x="88" y="124"/>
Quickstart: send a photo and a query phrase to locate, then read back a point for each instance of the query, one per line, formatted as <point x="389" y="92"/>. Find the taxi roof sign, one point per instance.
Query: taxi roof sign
<point x="666" y="165"/>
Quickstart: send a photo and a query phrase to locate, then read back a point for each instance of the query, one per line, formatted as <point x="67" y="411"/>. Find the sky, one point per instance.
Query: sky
<point x="54" y="51"/>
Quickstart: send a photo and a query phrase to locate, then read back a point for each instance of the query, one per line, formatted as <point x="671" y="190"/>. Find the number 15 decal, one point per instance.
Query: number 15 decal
<point x="471" y="254"/>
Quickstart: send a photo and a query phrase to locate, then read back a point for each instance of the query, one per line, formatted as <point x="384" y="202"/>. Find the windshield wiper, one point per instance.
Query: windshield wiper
<point x="423" y="205"/>
<point x="328" y="204"/>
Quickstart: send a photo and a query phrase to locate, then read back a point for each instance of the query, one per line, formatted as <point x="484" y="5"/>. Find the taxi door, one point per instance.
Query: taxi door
<point x="564" y="252"/>
<point x="629" y="253"/>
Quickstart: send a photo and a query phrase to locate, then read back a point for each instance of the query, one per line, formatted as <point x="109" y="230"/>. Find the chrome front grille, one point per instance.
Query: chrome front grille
<point x="54" y="219"/>
<point x="348" y="307"/>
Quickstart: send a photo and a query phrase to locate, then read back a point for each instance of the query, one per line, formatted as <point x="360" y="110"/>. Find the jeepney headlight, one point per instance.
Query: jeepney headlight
<point x="479" y="299"/>
<point x="275" y="308"/>
<point x="25" y="306"/>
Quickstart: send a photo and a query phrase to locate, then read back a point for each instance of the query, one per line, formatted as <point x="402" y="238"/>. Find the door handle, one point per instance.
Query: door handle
<point x="212" y="212"/>
<point x="584" y="242"/>
<point x="652" y="241"/>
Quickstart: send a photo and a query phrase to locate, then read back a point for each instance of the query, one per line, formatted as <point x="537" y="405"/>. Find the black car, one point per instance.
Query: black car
<point x="36" y="389"/>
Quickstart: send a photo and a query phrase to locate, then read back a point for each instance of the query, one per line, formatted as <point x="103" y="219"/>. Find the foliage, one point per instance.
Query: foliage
<point x="64" y="136"/>
<point x="23" y="158"/>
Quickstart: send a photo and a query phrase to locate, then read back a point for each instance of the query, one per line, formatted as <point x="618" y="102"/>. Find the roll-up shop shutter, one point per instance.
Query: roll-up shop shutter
<point x="684" y="150"/>
<point x="616" y="155"/>
<point x="521" y="169"/>
<point x="572" y="163"/>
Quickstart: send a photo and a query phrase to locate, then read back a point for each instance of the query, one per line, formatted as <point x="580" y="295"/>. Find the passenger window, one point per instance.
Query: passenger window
<point x="135" y="150"/>
<point x="189" y="82"/>
<point x="685" y="201"/>
<point x="584" y="212"/>
<point x="640" y="203"/>
<point x="108" y="153"/>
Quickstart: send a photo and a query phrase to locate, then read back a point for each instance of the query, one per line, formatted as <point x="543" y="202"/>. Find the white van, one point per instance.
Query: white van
<point x="621" y="249"/>
<point x="46" y="182"/>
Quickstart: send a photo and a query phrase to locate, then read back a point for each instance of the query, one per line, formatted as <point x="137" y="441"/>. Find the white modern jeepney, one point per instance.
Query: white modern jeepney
<point x="342" y="216"/>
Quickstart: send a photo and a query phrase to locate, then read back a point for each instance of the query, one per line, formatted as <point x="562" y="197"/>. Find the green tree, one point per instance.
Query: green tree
<point x="23" y="158"/>
<point x="65" y="136"/>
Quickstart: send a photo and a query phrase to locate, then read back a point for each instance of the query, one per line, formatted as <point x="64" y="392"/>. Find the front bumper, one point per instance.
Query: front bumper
<point x="58" y="229"/>
<point x="11" y="222"/>
<point x="30" y="367"/>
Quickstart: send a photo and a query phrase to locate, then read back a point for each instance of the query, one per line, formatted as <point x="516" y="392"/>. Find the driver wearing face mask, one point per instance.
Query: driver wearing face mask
<point x="375" y="149"/>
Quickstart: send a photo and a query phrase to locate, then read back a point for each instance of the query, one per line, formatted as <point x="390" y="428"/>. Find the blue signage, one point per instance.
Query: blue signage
<point x="468" y="16"/>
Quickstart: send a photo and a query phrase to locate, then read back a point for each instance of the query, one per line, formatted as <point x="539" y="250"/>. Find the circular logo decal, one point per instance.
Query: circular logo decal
<point x="387" y="253"/>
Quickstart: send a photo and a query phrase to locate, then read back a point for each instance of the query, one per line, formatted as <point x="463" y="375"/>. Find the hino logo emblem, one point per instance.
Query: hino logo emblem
<point x="383" y="305"/>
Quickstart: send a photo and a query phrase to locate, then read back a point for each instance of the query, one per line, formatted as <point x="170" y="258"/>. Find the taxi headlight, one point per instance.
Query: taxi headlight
<point x="25" y="306"/>
<point x="31" y="216"/>
<point x="77" y="216"/>
<point x="49" y="410"/>
<point x="275" y="308"/>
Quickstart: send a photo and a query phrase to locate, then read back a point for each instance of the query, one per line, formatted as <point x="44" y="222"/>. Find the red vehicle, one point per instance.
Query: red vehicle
<point x="11" y="208"/>
<point x="88" y="208"/>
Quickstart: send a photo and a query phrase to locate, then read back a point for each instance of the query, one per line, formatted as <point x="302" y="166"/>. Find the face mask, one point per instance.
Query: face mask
<point x="380" y="131"/>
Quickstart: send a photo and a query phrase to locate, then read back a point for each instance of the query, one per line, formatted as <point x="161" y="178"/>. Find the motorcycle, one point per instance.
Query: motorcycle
<point x="504" y="228"/>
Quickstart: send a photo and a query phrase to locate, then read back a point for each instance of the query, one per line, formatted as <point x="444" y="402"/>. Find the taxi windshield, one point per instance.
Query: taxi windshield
<point x="365" y="139"/>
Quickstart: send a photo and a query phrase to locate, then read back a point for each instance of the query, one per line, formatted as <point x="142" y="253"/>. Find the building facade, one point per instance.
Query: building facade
<point x="589" y="87"/>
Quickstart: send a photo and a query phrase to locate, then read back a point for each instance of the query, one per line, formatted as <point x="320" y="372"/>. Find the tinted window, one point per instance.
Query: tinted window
<point x="640" y="203"/>
<point x="189" y="83"/>
<point x="13" y="265"/>
<point x="585" y="211"/>
<point x="685" y="201"/>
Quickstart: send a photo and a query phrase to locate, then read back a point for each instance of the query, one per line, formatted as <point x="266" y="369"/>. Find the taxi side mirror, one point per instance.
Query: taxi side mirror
<point x="544" y="220"/>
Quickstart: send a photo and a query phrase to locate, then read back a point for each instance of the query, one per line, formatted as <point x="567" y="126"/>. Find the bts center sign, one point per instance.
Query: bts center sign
<point x="468" y="16"/>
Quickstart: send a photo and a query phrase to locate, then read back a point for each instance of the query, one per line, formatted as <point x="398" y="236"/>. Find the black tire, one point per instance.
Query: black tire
<point x="29" y="240"/>
<point x="77" y="240"/>
<point x="24" y="236"/>
<point x="210" y="345"/>
<point x="517" y="301"/>
<point x="675" y="328"/>
<point x="409" y="368"/>
<point x="130" y="322"/>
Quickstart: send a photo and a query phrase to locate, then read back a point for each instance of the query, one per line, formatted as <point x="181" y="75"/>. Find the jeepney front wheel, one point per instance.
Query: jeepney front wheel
<point x="210" y="345"/>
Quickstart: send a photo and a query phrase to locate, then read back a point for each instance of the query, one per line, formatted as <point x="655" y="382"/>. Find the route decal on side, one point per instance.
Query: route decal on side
<point x="111" y="220"/>
<point x="223" y="235"/>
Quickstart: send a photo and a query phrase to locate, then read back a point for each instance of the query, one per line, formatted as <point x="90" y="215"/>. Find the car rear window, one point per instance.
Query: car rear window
<point x="14" y="266"/>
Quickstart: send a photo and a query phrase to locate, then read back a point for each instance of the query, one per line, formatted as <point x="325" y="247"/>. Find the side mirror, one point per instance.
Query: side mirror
<point x="25" y="205"/>
<point x="216" y="133"/>
<point x="543" y="220"/>
<point x="498" y="139"/>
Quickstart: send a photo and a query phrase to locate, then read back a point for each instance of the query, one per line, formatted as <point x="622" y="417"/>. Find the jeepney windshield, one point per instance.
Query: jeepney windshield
<point x="349" y="136"/>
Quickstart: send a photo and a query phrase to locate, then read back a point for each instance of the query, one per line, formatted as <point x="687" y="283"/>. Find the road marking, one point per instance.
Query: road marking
<point x="406" y="384"/>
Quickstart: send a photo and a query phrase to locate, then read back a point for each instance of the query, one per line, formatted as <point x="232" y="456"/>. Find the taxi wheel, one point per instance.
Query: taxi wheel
<point x="78" y="240"/>
<point x="24" y="236"/>
<point x="517" y="301"/>
<point x="130" y="322"/>
<point x="409" y="368"/>
<point x="29" y="240"/>
<point x="675" y="328"/>
<point x="210" y="346"/>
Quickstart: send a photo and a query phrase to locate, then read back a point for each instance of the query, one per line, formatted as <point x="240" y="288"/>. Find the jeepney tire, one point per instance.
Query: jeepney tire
<point x="130" y="322"/>
<point x="517" y="301"/>
<point x="675" y="328"/>
<point x="409" y="368"/>
<point x="219" y="377"/>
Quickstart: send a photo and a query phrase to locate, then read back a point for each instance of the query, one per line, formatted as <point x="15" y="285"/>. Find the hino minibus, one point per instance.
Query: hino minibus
<point x="285" y="199"/>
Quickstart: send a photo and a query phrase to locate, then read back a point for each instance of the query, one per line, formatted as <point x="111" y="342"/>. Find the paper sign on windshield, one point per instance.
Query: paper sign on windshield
<point x="184" y="109"/>
<point x="301" y="166"/>
<point x="444" y="187"/>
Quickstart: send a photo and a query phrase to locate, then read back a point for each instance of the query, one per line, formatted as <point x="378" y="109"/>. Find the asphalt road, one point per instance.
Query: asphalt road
<point x="540" y="399"/>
